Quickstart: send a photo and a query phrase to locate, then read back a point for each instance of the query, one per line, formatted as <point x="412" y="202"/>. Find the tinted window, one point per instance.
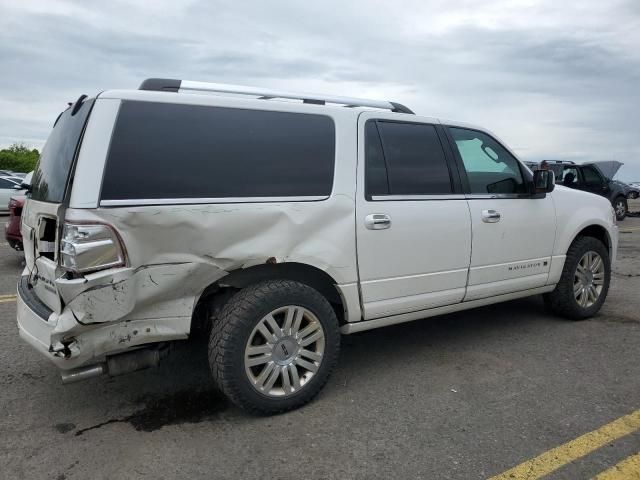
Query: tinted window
<point x="162" y="150"/>
<point x="591" y="177"/>
<point x="6" y="183"/>
<point x="569" y="177"/>
<point x="490" y="167"/>
<point x="375" y="170"/>
<point x="414" y="158"/>
<point x="52" y="172"/>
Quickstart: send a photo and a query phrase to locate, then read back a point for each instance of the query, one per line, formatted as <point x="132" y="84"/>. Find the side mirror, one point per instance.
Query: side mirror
<point x="26" y="182"/>
<point x="16" y="187"/>
<point x="544" y="181"/>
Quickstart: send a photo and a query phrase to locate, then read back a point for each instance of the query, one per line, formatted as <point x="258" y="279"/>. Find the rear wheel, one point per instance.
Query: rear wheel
<point x="274" y="346"/>
<point x="621" y="207"/>
<point x="584" y="283"/>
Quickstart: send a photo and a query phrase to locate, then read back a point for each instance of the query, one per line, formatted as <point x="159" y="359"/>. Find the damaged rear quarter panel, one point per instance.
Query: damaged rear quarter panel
<point x="175" y="252"/>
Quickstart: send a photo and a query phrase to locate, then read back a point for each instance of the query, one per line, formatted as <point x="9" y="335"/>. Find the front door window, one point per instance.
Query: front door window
<point x="490" y="168"/>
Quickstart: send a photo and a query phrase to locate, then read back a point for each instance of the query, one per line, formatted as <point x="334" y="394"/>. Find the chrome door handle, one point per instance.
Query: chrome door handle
<point x="490" y="216"/>
<point x="377" y="221"/>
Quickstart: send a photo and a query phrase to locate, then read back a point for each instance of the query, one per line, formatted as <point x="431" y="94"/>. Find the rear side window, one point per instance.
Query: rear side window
<point x="591" y="177"/>
<point x="163" y="150"/>
<point x="405" y="159"/>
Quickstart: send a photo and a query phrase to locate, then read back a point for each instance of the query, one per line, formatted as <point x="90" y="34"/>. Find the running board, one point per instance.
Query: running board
<point x="432" y="312"/>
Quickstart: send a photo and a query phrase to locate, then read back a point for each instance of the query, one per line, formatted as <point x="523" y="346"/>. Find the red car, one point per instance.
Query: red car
<point x="12" y="228"/>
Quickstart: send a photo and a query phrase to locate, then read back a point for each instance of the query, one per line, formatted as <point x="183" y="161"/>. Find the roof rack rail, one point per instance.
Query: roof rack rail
<point x="558" y="162"/>
<point x="171" y="85"/>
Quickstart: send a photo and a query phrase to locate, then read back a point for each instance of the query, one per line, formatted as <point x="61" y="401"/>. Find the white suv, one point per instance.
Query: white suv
<point x="280" y="221"/>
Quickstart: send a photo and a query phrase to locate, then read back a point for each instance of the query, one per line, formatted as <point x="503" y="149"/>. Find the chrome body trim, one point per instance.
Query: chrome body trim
<point x="391" y="198"/>
<point x="199" y="201"/>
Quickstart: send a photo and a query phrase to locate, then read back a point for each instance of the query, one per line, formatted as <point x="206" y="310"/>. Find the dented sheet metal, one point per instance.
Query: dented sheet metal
<point x="173" y="254"/>
<point x="232" y="236"/>
<point x="154" y="291"/>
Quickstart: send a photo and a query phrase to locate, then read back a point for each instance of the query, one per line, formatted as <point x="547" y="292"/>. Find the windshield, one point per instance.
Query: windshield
<point x="52" y="172"/>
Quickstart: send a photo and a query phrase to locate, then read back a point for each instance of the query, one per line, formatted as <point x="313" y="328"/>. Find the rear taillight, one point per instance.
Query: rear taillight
<point x="87" y="248"/>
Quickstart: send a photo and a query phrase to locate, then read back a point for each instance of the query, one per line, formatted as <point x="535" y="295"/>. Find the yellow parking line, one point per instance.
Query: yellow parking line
<point x="628" y="469"/>
<point x="555" y="458"/>
<point x="7" y="298"/>
<point x="8" y="295"/>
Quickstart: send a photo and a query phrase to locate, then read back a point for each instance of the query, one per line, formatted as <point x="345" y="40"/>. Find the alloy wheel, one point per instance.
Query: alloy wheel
<point x="284" y="351"/>
<point x="588" y="280"/>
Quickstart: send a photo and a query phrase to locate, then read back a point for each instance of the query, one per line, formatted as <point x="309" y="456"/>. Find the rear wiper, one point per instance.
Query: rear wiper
<point x="74" y="106"/>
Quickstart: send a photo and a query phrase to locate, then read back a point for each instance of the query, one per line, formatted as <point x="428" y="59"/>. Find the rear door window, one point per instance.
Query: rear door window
<point x="404" y="158"/>
<point x="173" y="151"/>
<point x="592" y="178"/>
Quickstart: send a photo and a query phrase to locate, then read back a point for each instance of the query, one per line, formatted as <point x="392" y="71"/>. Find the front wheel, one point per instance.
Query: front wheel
<point x="620" y="206"/>
<point x="584" y="283"/>
<point x="274" y="346"/>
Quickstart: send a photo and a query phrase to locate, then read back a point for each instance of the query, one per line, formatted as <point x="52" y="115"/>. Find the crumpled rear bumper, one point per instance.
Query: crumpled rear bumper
<point x="70" y="344"/>
<point x="33" y="315"/>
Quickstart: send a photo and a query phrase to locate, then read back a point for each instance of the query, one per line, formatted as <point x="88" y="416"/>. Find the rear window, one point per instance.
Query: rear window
<point x="164" y="151"/>
<point x="51" y="175"/>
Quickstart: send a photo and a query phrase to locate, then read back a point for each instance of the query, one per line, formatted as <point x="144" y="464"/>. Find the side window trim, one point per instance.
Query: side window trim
<point x="368" y="196"/>
<point x="454" y="169"/>
<point x="466" y="187"/>
<point x="454" y="174"/>
<point x="464" y="180"/>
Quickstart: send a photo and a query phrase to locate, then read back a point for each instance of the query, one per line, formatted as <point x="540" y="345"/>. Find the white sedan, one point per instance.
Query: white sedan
<point x="9" y="186"/>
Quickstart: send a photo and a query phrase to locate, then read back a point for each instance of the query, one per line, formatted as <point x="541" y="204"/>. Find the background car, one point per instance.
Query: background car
<point x="9" y="186"/>
<point x="634" y="191"/>
<point x="594" y="177"/>
<point x="12" y="227"/>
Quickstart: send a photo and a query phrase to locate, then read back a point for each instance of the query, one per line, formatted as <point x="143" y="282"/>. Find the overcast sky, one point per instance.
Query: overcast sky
<point x="553" y="81"/>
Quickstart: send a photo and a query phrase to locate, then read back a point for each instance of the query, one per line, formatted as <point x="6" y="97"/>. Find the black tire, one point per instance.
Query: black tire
<point x="562" y="300"/>
<point x="621" y="207"/>
<point x="232" y="329"/>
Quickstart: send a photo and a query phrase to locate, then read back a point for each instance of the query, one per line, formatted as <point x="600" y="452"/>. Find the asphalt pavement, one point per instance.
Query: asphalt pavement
<point x="462" y="396"/>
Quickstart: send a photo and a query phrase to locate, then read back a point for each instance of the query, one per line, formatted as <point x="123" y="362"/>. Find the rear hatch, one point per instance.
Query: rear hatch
<point x="43" y="213"/>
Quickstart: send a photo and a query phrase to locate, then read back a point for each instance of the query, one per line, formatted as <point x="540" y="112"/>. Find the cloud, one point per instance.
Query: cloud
<point x="553" y="81"/>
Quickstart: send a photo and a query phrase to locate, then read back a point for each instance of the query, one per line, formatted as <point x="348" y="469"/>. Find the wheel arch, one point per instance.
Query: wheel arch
<point x="595" y="231"/>
<point x="215" y="295"/>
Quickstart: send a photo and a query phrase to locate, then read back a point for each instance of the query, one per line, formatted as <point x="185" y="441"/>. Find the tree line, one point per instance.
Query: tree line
<point x="19" y="158"/>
